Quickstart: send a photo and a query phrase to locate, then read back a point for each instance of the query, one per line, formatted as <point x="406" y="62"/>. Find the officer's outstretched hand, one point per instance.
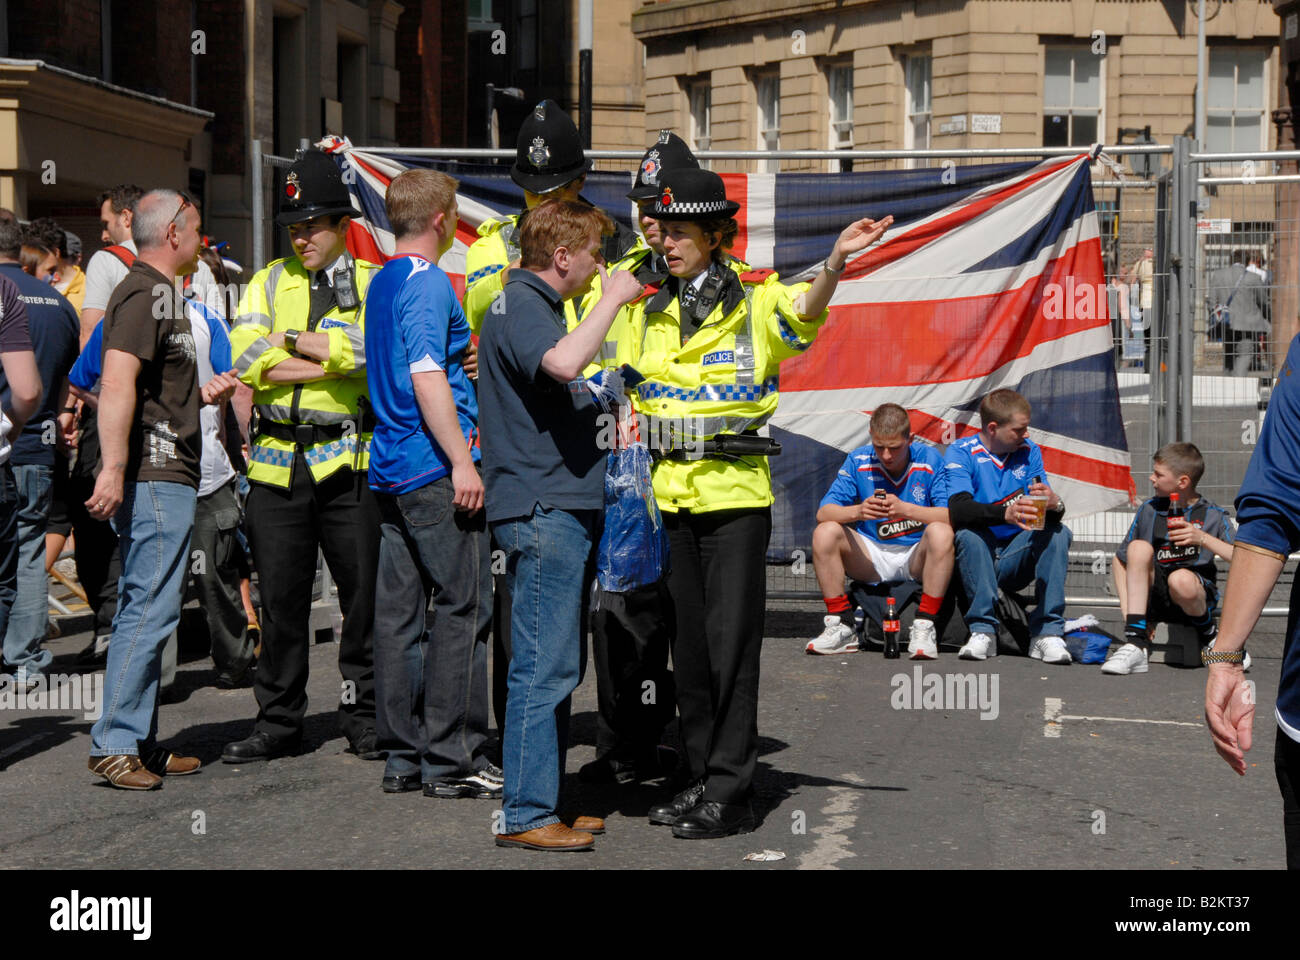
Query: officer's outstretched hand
<point x="619" y="285"/>
<point x="858" y="236"/>
<point x="468" y="487"/>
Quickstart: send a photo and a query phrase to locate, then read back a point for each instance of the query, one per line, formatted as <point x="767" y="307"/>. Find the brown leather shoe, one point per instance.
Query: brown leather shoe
<point x="555" y="836"/>
<point x="592" y="825"/>
<point x="164" y="763"/>
<point x="125" y="771"/>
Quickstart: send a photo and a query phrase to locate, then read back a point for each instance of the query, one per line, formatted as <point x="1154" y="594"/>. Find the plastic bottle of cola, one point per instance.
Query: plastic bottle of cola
<point x="1174" y="516"/>
<point x="891" y="628"/>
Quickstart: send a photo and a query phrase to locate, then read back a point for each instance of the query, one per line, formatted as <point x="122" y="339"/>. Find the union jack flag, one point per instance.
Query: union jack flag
<point x="990" y="276"/>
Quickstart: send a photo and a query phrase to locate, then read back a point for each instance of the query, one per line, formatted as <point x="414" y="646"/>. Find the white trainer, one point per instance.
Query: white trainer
<point x="979" y="646"/>
<point x="1049" y="650"/>
<point x="1130" y="658"/>
<point x="921" y="643"/>
<point x="838" y="637"/>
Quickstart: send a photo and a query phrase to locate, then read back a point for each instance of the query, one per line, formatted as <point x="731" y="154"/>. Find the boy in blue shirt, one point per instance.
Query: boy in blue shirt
<point x="431" y="708"/>
<point x="882" y="521"/>
<point x="1165" y="571"/>
<point x="986" y="478"/>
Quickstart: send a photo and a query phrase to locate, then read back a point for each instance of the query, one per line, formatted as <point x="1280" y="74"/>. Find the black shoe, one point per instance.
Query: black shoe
<point x="712" y="819"/>
<point x="402" y="783"/>
<point x="366" y="746"/>
<point x="260" y="746"/>
<point x="667" y="814"/>
<point x="481" y="785"/>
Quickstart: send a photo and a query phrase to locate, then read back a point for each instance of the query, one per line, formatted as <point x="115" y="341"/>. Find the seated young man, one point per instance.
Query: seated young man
<point x="870" y="524"/>
<point x="1165" y="572"/>
<point x="986" y="478"/>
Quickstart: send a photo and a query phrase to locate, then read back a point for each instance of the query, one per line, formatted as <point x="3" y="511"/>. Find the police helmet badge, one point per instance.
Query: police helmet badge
<point x="539" y="153"/>
<point x="663" y="136"/>
<point x="650" y="168"/>
<point x="539" y="111"/>
<point x="667" y="199"/>
<point x="292" y="189"/>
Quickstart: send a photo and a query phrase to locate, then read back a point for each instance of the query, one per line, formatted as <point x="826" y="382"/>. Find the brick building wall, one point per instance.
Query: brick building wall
<point x="65" y="33"/>
<point x="221" y="82"/>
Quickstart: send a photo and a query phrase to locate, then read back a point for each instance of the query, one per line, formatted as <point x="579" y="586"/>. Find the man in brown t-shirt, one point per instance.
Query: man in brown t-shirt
<point x="148" y="481"/>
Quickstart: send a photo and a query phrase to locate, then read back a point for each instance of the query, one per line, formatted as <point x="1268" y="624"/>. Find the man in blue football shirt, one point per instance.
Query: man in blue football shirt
<point x="430" y="685"/>
<point x="986" y="478"/>
<point x="884" y="520"/>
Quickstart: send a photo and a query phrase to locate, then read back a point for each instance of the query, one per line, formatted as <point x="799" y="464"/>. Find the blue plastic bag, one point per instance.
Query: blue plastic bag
<point x="633" y="548"/>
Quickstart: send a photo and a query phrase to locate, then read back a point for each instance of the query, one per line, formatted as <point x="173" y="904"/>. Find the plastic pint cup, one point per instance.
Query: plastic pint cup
<point x="1039" y="503"/>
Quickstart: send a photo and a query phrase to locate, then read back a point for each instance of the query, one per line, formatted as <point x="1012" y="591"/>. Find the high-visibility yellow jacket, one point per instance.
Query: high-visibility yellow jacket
<point x="724" y="379"/>
<point x="278" y="299"/>
<point x="498" y="246"/>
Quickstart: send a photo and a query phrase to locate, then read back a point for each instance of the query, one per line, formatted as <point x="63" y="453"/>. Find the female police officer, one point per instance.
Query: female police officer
<point x="714" y="338"/>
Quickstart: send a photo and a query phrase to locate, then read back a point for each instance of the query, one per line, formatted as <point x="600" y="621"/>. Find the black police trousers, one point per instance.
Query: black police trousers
<point x="718" y="589"/>
<point x="338" y="515"/>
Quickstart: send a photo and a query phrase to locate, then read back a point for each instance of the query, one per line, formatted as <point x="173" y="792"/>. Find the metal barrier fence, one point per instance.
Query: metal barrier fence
<point x="1170" y="221"/>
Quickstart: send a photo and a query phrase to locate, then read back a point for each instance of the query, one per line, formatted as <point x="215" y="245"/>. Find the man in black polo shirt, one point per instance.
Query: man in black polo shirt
<point x="54" y="329"/>
<point x="544" y="475"/>
<point x="148" y="481"/>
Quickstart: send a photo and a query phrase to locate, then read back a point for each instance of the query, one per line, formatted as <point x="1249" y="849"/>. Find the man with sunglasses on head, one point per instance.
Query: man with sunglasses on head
<point x="299" y="343"/>
<point x="148" y="481"/>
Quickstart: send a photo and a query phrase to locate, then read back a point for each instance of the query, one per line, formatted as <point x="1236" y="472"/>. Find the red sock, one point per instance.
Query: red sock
<point x="838" y="605"/>
<point x="929" y="606"/>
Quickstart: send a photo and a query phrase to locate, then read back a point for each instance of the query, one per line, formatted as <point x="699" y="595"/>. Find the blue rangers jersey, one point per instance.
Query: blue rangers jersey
<point x="969" y="467"/>
<point x="862" y="475"/>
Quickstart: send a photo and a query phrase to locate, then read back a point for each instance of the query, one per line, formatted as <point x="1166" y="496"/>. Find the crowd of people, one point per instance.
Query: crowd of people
<point x="381" y="434"/>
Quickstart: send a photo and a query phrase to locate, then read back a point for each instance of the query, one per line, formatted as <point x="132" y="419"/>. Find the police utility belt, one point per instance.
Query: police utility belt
<point x="310" y="434"/>
<point x="724" y="446"/>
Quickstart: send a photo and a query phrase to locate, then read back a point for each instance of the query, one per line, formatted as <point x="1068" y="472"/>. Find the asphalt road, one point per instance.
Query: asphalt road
<point x="1125" y="777"/>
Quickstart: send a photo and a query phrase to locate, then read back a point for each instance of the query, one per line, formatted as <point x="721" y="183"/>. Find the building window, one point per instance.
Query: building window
<point x="916" y="76"/>
<point x="768" y="88"/>
<point x="1072" y="97"/>
<point x="1236" y="100"/>
<point x="526" y="47"/>
<point x="700" y="95"/>
<point x="480" y="16"/>
<point x="839" y="85"/>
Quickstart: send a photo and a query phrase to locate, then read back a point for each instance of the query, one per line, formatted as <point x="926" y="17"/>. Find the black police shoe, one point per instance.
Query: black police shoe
<point x="712" y="819"/>
<point x="366" y="746"/>
<point x="260" y="746"/>
<point x="667" y="814"/>
<point x="400" y="783"/>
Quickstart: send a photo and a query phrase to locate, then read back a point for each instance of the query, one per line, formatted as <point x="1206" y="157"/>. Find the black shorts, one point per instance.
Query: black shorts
<point x="1162" y="609"/>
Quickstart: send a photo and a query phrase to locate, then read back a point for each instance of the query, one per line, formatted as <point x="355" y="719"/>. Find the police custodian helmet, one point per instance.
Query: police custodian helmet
<point x="548" y="153"/>
<point x="313" y="187"/>
<point x="669" y="152"/>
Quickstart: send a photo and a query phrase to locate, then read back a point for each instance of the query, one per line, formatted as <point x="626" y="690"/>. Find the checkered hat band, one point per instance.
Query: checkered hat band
<point x="706" y="206"/>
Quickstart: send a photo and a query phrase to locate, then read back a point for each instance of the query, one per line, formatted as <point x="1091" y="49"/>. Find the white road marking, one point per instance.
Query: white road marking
<point x="832" y="835"/>
<point x="22" y="743"/>
<point x="1052" y="707"/>
<point x="1171" y="723"/>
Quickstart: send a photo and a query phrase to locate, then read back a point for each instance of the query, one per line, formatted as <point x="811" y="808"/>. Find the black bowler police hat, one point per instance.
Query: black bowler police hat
<point x="686" y="194"/>
<point x="548" y="153"/>
<point x="314" y="187"/>
<point x="669" y="152"/>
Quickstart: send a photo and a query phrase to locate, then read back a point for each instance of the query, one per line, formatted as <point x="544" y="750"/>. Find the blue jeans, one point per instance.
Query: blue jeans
<point x="1040" y="556"/>
<point x="153" y="525"/>
<point x="29" y="617"/>
<point x="546" y="554"/>
<point x="431" y="699"/>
